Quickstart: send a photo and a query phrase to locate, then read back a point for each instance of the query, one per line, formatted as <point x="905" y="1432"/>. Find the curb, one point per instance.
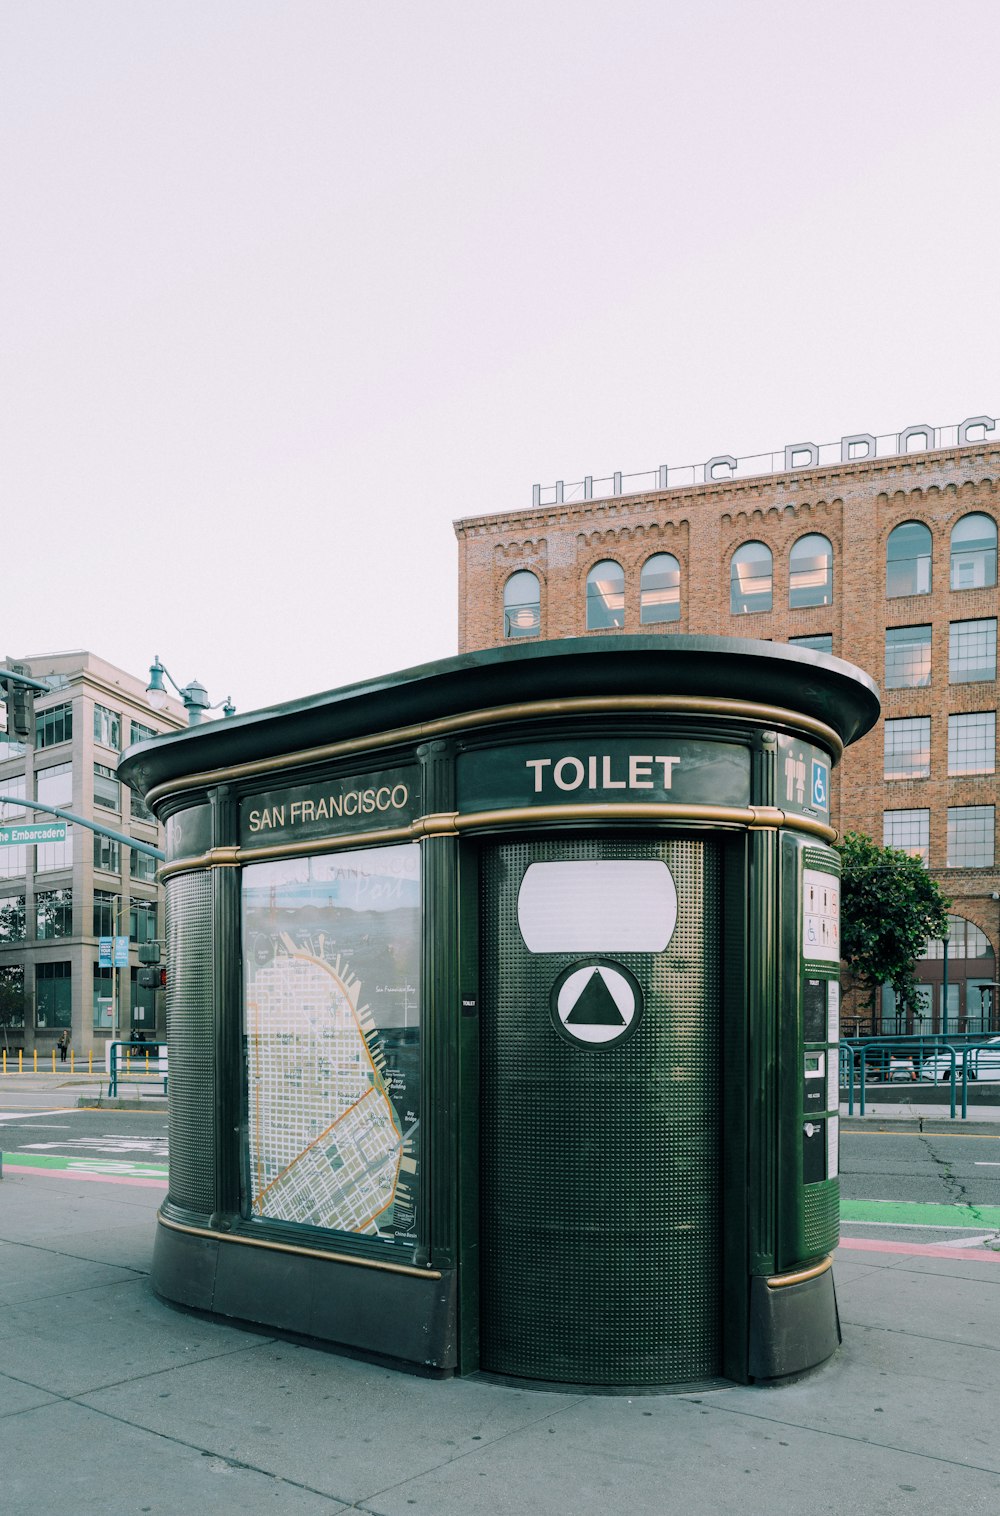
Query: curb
<point x="954" y="1127"/>
<point x="102" y="1103"/>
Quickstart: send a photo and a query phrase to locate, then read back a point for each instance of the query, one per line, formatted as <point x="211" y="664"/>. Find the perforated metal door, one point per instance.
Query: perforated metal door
<point x="600" y="1225"/>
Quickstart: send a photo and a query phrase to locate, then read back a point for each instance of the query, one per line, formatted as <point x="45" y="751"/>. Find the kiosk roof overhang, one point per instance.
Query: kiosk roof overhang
<point x="827" y="689"/>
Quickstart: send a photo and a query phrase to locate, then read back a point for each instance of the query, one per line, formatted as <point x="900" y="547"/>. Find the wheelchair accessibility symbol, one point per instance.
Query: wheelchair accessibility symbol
<point x="820" y="786"/>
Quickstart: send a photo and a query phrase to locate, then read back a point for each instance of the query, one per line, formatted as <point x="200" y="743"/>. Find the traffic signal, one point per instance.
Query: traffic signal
<point x="19" y="698"/>
<point x="153" y="979"/>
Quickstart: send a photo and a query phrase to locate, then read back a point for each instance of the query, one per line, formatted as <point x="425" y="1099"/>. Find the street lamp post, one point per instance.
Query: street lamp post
<point x="944" y="987"/>
<point x="194" y="695"/>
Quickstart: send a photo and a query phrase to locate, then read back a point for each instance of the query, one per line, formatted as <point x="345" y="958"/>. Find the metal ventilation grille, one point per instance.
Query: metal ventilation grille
<point x="191" y="1039"/>
<point x="821" y="1217"/>
<point x="600" y="1167"/>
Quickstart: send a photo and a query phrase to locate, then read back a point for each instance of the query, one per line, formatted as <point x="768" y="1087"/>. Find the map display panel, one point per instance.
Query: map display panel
<point x="331" y="949"/>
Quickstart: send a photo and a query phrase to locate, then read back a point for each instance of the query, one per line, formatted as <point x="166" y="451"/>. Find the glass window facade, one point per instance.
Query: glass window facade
<point x="972" y="743"/>
<point x="660" y="589"/>
<point x="972" y="650"/>
<point x="965" y="940"/>
<point x="11" y="747"/>
<point x="53" y="914"/>
<point x="16" y="785"/>
<point x="141" y="865"/>
<point x="973" y="552"/>
<point x="142" y="921"/>
<point x="907" y="657"/>
<point x="970" y="836"/>
<point x="522" y="605"/>
<point x="810" y="571"/>
<point x="13" y="862"/>
<point x="605" y="596"/>
<point x="54" y="786"/>
<point x="54" y="725"/>
<point x="12" y="996"/>
<point x="821" y="643"/>
<point x="908" y="560"/>
<point x="53" y="995"/>
<point x="103" y="1005"/>
<point x="138" y="808"/>
<point x="910" y="831"/>
<point x="13" y="926"/>
<point x="104" y="913"/>
<point x="107" y="855"/>
<point x="106" y="788"/>
<point x="140" y="733"/>
<point x="751" y="579"/>
<point x="908" y="748"/>
<point x="107" y="727"/>
<point x="50" y="856"/>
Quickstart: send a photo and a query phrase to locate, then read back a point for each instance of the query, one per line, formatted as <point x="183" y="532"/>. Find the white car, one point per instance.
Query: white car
<point x="984" y="1063"/>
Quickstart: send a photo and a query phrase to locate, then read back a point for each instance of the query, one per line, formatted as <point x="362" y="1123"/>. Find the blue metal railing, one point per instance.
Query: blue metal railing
<point x="889" y="1059"/>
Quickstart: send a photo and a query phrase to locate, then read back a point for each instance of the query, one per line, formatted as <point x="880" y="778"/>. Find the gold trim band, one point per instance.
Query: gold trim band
<point x="286" y="1247"/>
<point x="451" y="824"/>
<point x="424" y="731"/>
<point x="778" y="1281"/>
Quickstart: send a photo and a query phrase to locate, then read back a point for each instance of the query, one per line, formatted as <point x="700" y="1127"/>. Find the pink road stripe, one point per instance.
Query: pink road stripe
<point x="149" y="1184"/>
<point x="917" y="1249"/>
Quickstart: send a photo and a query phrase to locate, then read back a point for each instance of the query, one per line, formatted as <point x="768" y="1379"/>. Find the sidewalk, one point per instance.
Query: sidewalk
<point x="112" y="1401"/>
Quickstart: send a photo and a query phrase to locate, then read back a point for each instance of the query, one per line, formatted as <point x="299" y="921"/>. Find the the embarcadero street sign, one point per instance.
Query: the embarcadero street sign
<point x="32" y="833"/>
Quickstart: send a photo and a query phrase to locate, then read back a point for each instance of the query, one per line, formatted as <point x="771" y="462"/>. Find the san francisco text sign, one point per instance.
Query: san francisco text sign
<point x="365" y="803"/>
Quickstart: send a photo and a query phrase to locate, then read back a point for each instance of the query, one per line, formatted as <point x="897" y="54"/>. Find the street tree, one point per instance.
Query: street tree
<point x="890" y="909"/>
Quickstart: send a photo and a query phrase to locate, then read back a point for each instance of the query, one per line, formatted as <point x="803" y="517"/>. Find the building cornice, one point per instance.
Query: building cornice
<point x="678" y="500"/>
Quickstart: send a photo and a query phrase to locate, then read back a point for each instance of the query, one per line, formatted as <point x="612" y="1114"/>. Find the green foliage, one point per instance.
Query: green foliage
<point x="890" y="908"/>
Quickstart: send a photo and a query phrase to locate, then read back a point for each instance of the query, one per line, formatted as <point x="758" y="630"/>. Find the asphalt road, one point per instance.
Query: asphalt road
<point x="126" y="1143"/>
<point x="938" y="1186"/>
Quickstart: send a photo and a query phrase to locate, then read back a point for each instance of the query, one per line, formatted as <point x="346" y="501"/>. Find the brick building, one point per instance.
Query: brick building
<point x="887" y="560"/>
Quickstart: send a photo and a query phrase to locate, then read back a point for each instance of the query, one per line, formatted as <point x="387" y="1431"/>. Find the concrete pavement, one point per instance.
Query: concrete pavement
<point x="111" y="1400"/>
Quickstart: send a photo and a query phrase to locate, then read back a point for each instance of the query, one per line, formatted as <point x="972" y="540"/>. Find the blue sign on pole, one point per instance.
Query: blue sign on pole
<point x="121" y="952"/>
<point x="105" y="950"/>
<point x="820" y="785"/>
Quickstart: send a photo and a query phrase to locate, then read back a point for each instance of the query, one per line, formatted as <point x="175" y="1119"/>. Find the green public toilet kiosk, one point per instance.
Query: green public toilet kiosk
<point x="502" y="1011"/>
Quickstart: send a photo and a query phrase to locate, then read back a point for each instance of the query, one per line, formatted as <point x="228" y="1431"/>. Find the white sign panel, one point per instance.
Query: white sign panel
<point x="603" y="905"/>
<point x="820" y="916"/>
<point x="833" y="1012"/>
<point x="832" y="1147"/>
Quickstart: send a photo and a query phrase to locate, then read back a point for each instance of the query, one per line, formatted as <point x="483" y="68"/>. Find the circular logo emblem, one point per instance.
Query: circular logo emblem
<point x="596" y="1003"/>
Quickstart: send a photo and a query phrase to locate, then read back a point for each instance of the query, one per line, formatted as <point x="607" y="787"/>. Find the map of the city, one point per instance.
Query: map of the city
<point x="332" y="1040"/>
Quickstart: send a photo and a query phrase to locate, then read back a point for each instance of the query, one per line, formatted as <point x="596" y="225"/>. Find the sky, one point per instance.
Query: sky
<point x="288" y="287"/>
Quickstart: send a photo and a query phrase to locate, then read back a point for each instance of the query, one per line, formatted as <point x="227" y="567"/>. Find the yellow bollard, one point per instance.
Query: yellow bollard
<point x="20" y="1060"/>
<point x="53" y="1060"/>
<point x="5" y="1060"/>
<point x="72" y="1060"/>
<point x="35" y="1061"/>
<point x="147" y="1063"/>
<point x="90" y="1061"/>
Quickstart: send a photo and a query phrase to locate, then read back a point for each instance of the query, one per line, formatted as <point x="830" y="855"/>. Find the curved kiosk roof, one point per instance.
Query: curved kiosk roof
<point x="493" y="987"/>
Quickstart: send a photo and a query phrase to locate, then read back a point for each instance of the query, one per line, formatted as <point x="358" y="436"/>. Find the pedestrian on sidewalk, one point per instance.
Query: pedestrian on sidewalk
<point x="63" y="1046"/>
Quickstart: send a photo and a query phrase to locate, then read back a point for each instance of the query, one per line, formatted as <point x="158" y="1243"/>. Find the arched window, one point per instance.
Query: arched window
<point x="810" y="576"/>
<point x="750" y="579"/>
<point x="522" y="605"/>
<point x="973" y="552"/>
<point x="908" y="560"/>
<point x="660" y="589"/>
<point x="605" y="595"/>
